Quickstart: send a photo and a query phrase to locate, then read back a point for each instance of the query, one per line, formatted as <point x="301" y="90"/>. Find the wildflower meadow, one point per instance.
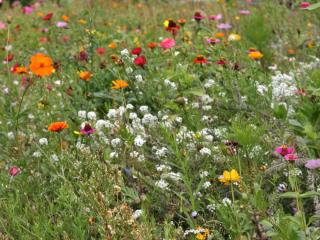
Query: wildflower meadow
<point x="159" y="120"/>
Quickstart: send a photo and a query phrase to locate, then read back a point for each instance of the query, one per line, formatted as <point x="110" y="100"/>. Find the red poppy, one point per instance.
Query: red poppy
<point x="136" y="51"/>
<point x="47" y="17"/>
<point x="100" y="50"/>
<point x="200" y="59"/>
<point x="140" y="61"/>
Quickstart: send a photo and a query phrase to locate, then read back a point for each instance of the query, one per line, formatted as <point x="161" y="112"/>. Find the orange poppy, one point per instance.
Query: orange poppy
<point x="41" y="65"/>
<point x="119" y="84"/>
<point x="85" y="75"/>
<point x="57" y="126"/>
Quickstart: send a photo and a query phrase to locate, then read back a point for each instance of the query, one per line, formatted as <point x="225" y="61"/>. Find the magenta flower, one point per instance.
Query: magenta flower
<point x="2" y="25"/>
<point x="213" y="40"/>
<point x="244" y="12"/>
<point x="13" y="171"/>
<point x="313" y="164"/>
<point x="87" y="129"/>
<point x="215" y="17"/>
<point x="27" y="10"/>
<point x="198" y="16"/>
<point x="61" y="24"/>
<point x="291" y="157"/>
<point x="304" y="5"/>
<point x="168" y="43"/>
<point x="284" y="150"/>
<point x="224" y="26"/>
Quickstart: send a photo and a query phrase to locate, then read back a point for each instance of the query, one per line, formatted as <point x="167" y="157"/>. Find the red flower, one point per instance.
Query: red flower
<point x="140" y="61"/>
<point x="13" y="171"/>
<point x="200" y="59"/>
<point x="136" y="51"/>
<point x="100" y="50"/>
<point x="198" y="16"/>
<point x="152" y="45"/>
<point x="221" y="62"/>
<point x="47" y="17"/>
<point x="8" y="58"/>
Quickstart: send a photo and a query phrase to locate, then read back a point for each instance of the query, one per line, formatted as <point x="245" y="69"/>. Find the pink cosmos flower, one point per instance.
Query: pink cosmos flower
<point x="224" y="26"/>
<point x="215" y="17"/>
<point x="291" y="157"/>
<point x="27" y="10"/>
<point x="13" y="171"/>
<point x="61" y="24"/>
<point x="168" y="43"/>
<point x="304" y="5"/>
<point x="313" y="164"/>
<point x="2" y="25"/>
<point x="244" y="12"/>
<point x="284" y="150"/>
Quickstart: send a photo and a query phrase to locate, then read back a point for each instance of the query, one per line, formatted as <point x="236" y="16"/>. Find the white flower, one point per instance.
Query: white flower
<point x="30" y="116"/>
<point x="115" y="142"/>
<point x="43" y="141"/>
<point x="100" y="124"/>
<point x="58" y="82"/>
<point x="206" y="184"/>
<point x="129" y="106"/>
<point x="137" y="213"/>
<point x="141" y="158"/>
<point x="205" y="151"/>
<point x="133" y="115"/>
<point x="54" y="158"/>
<point x="92" y="115"/>
<point x="114" y="155"/>
<point x="161" y="184"/>
<point x="139" y="78"/>
<point x="204" y="174"/>
<point x="139" y="141"/>
<point x="37" y="154"/>
<point x="209" y="83"/>
<point x="129" y="70"/>
<point x="149" y="119"/>
<point x="124" y="52"/>
<point x="144" y="109"/>
<point x="226" y="201"/>
<point x="262" y="89"/>
<point x="82" y="114"/>
<point x="211" y="207"/>
<point x="112" y="113"/>
<point x="134" y="154"/>
<point x="170" y="84"/>
<point x="10" y="135"/>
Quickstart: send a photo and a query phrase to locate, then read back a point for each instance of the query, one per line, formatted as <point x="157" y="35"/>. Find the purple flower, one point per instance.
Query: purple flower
<point x="87" y="129"/>
<point x="61" y="24"/>
<point x="215" y="17"/>
<point x="313" y="164"/>
<point x="224" y="26"/>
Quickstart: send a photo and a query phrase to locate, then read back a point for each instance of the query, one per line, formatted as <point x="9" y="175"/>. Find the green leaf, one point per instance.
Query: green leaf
<point x="313" y="6"/>
<point x="309" y="194"/>
<point x="290" y="195"/>
<point x="196" y="91"/>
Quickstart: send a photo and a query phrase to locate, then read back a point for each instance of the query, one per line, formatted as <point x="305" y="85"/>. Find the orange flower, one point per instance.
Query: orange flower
<point x="119" y="84"/>
<point x="152" y="45"/>
<point x="219" y="35"/>
<point x="255" y="55"/>
<point x="65" y="18"/>
<point x="57" y="126"/>
<point x="41" y="65"/>
<point x="85" y="75"/>
<point x="112" y="45"/>
<point x="20" y="70"/>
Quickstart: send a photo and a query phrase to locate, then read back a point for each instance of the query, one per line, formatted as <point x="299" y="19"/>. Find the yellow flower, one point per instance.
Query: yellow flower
<point x="82" y="21"/>
<point x="234" y="37"/>
<point x="119" y="84"/>
<point x="166" y="23"/>
<point x="229" y="177"/>
<point x="203" y="233"/>
<point x="255" y="55"/>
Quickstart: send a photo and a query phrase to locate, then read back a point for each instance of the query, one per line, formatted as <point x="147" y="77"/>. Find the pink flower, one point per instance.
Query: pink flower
<point x="291" y="157"/>
<point x="304" y="5"/>
<point x="2" y="25"/>
<point x="313" y="164"/>
<point x="168" y="43"/>
<point x="27" y="10"/>
<point x="284" y="150"/>
<point x="13" y="171"/>
<point x="61" y="24"/>
<point x="87" y="129"/>
<point x="224" y="26"/>
<point x="244" y="12"/>
<point x="215" y="17"/>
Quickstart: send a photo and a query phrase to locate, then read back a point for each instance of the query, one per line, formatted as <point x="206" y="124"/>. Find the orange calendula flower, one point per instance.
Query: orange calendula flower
<point x="57" y="126"/>
<point x="203" y="233"/>
<point x="119" y="84"/>
<point x="255" y="55"/>
<point x="85" y="75"/>
<point x="112" y="45"/>
<point x="229" y="177"/>
<point x="65" y="18"/>
<point x="41" y="65"/>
